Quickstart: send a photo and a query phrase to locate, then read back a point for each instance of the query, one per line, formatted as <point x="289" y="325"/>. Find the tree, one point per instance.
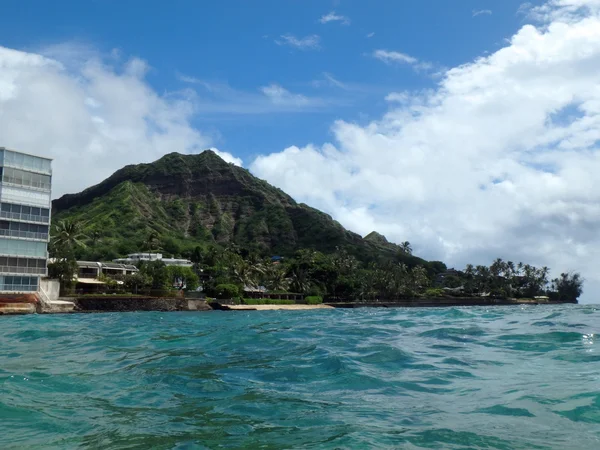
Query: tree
<point x="136" y="282"/>
<point x="299" y="280"/>
<point x="568" y="287"/>
<point x="157" y="272"/>
<point x="482" y="279"/>
<point x="95" y="236"/>
<point x="171" y="247"/>
<point x="182" y="277"/>
<point x="406" y="247"/>
<point x="64" y="271"/>
<point x="245" y="273"/>
<point x="418" y="280"/>
<point x="275" y="278"/>
<point x="197" y="255"/>
<point x="152" y="241"/>
<point x="68" y="236"/>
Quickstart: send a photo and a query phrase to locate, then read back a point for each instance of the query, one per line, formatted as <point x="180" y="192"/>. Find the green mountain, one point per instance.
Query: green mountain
<point x="191" y="200"/>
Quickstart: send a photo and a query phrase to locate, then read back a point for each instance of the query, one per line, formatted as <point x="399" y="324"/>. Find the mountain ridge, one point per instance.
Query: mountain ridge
<point x="200" y="199"/>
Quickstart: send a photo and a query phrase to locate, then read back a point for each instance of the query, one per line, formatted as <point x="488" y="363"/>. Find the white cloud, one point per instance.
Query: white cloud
<point x="394" y="57"/>
<point x="228" y="157"/>
<point x="501" y="159"/>
<point x="391" y="57"/>
<point x="311" y="42"/>
<point x="333" y="17"/>
<point x="398" y="97"/>
<point x="90" y="117"/>
<point x="214" y="99"/>
<point x="482" y="12"/>
<point x="332" y="81"/>
<point x="281" y="96"/>
<point x="370" y="35"/>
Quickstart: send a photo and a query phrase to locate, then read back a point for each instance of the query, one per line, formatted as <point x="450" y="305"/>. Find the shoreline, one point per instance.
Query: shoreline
<point x="100" y="304"/>
<point x="273" y="307"/>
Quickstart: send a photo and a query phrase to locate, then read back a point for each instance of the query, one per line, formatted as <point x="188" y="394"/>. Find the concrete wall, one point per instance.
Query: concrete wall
<point x="51" y="288"/>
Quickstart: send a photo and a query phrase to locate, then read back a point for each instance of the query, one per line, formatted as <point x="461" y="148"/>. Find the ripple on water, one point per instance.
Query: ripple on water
<point x="502" y="378"/>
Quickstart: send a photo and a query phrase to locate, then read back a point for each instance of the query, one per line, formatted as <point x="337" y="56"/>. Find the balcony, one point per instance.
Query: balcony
<point x="24" y="217"/>
<point x="24" y="234"/>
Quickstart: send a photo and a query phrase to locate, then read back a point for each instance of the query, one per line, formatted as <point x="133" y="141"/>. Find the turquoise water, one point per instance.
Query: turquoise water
<point x="505" y="378"/>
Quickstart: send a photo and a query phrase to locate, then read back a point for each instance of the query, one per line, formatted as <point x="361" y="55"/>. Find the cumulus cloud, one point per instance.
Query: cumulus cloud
<point x="333" y="17"/>
<point x="228" y="157"/>
<point x="500" y="159"/>
<point x="91" y="117"/>
<point x="311" y="42"/>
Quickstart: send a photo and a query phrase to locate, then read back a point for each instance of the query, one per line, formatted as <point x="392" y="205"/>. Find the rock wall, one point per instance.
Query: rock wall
<point x="115" y="304"/>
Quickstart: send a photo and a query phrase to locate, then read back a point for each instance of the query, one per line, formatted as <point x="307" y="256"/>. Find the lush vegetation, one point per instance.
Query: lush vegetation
<point x="229" y="224"/>
<point x="313" y="300"/>
<point x="225" y="273"/>
<point x="267" y="301"/>
<point x="507" y="279"/>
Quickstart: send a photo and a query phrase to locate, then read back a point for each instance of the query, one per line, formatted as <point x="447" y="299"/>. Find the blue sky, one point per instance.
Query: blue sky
<point x="233" y="43"/>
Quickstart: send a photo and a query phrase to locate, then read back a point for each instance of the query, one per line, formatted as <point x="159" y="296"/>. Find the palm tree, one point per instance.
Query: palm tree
<point x="299" y="280"/>
<point x="469" y="270"/>
<point x="95" y="236"/>
<point x="406" y="247"/>
<point x="244" y="273"/>
<point x="275" y="278"/>
<point x="519" y="268"/>
<point x="68" y="235"/>
<point x="482" y="278"/>
<point x="152" y="242"/>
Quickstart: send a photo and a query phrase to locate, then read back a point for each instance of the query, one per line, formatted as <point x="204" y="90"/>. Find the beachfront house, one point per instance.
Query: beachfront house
<point x="135" y="258"/>
<point x="90" y="274"/>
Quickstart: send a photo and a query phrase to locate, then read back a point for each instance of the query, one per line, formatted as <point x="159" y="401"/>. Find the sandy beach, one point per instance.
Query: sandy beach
<point x="273" y="307"/>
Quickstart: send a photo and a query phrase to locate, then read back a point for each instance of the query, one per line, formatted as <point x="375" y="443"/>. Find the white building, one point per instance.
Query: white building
<point x="135" y="258"/>
<point x="25" y="185"/>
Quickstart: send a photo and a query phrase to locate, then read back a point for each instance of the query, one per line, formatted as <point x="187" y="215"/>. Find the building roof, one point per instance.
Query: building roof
<point x="97" y="265"/>
<point x="25" y="153"/>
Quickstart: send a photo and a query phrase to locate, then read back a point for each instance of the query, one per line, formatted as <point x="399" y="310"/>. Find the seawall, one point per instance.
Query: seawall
<point x="124" y="304"/>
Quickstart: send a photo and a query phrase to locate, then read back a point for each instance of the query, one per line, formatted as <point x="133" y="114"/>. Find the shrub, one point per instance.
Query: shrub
<point x="267" y="301"/>
<point x="314" y="300"/>
<point x="315" y="291"/>
<point x="226" y="291"/>
<point x="434" y="292"/>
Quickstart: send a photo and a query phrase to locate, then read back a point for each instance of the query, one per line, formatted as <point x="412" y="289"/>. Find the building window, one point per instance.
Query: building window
<point x="26" y="179"/>
<point x="22" y="212"/>
<point x="32" y="266"/>
<point x="19" y="195"/>
<point x="18" y="284"/>
<point x="27" y="162"/>
<point x="22" y="248"/>
<point x="23" y="230"/>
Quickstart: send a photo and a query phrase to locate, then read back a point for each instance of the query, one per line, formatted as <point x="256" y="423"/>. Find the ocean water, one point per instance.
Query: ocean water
<point x="493" y="378"/>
